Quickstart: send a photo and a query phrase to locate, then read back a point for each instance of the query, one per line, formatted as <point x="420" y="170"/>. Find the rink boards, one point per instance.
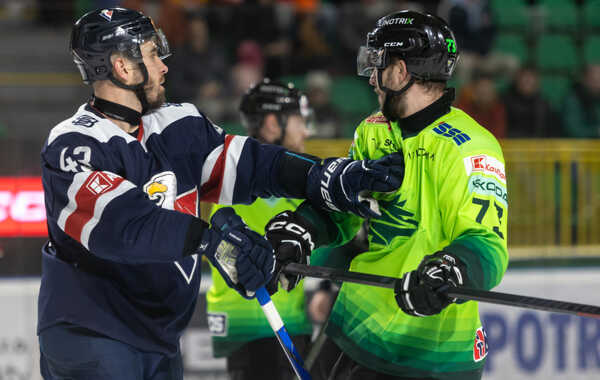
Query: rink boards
<point x="523" y="344"/>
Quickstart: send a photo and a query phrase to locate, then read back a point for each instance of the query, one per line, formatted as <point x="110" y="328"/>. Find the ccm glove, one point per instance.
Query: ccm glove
<point x="420" y="292"/>
<point x="340" y="184"/>
<point x="292" y="238"/>
<point x="244" y="258"/>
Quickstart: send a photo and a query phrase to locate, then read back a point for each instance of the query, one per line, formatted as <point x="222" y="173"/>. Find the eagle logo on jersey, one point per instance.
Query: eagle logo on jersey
<point x="162" y="189"/>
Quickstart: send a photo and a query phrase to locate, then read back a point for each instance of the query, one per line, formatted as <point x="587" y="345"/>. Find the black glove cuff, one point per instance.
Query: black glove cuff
<point x="193" y="236"/>
<point x="292" y="172"/>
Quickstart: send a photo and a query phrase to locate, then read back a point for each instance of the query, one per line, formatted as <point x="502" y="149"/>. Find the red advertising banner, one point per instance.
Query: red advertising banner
<point x="22" y="211"/>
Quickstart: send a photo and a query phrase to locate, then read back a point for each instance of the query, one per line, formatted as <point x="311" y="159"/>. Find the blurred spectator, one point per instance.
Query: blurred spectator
<point x="528" y="114"/>
<point x="245" y="73"/>
<point x="327" y="120"/>
<point x="55" y="13"/>
<point x="312" y="47"/>
<point x="198" y="69"/>
<point x="581" y="109"/>
<point x="474" y="29"/>
<point x="480" y="100"/>
<point x="262" y="22"/>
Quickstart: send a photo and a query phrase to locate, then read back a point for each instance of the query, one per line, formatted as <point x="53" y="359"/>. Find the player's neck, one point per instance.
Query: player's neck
<point x="418" y="98"/>
<point x="120" y="96"/>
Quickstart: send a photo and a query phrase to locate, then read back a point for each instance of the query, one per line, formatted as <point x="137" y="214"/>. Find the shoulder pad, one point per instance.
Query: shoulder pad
<point x="88" y="124"/>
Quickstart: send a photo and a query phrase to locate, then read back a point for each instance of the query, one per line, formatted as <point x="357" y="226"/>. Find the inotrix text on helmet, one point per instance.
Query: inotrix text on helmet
<point x="396" y="21"/>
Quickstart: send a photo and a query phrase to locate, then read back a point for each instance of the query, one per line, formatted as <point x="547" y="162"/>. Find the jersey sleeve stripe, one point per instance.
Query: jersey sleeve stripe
<point x="83" y="195"/>
<point x="78" y="180"/>
<point x="232" y="158"/>
<point x="101" y="203"/>
<point x="213" y="171"/>
<point x="209" y="164"/>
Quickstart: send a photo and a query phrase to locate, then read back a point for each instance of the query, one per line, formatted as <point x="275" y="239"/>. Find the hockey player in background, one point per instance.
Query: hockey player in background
<point x="122" y="180"/>
<point x="272" y="113"/>
<point x="445" y="225"/>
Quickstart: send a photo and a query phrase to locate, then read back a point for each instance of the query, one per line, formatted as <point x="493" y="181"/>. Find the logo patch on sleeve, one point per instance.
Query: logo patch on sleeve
<point x="480" y="345"/>
<point x="217" y="324"/>
<point x="101" y="182"/>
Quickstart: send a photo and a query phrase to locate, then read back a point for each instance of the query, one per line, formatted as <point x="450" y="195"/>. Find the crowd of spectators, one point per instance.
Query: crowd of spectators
<point x="221" y="47"/>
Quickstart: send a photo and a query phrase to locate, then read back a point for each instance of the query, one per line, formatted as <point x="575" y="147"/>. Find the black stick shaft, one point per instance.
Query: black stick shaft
<point x="462" y="293"/>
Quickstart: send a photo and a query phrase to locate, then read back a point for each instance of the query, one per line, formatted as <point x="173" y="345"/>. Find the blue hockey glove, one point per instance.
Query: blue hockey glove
<point x="340" y="184"/>
<point x="244" y="258"/>
<point x="418" y="293"/>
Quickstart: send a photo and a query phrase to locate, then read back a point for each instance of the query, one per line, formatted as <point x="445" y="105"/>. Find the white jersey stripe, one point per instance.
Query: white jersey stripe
<point x="209" y="164"/>
<point x="101" y="203"/>
<point x="78" y="181"/>
<point x="232" y="157"/>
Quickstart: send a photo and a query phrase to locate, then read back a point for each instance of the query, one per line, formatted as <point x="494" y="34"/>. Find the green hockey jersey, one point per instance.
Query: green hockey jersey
<point x="454" y="198"/>
<point x="233" y="320"/>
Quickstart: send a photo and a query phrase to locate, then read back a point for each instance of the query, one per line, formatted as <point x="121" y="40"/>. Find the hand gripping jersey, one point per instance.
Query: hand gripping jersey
<point x="233" y="320"/>
<point x="119" y="208"/>
<point x="454" y="198"/>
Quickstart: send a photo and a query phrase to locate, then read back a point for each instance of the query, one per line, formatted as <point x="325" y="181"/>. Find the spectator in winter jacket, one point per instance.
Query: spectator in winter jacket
<point x="528" y="113"/>
<point x="581" y="107"/>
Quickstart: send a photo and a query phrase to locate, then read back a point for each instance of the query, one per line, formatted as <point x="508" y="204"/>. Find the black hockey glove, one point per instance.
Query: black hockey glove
<point x="244" y="258"/>
<point x="418" y="293"/>
<point x="340" y="184"/>
<point x="292" y="238"/>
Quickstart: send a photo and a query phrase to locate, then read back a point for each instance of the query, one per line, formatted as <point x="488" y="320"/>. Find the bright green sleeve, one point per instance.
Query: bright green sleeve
<point x="341" y="227"/>
<point x="474" y="206"/>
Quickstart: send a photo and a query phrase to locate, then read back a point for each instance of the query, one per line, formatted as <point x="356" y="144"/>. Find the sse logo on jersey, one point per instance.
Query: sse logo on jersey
<point x="447" y="130"/>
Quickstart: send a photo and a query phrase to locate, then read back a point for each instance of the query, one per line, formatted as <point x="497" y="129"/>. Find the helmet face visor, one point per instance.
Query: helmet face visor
<point x="146" y="31"/>
<point x="162" y="44"/>
<point x="369" y="59"/>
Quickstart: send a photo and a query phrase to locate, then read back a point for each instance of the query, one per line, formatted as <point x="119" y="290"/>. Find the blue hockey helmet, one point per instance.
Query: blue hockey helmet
<point x="100" y="33"/>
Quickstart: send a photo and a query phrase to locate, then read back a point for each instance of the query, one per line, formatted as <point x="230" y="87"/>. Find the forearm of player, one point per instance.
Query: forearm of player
<point x="485" y="258"/>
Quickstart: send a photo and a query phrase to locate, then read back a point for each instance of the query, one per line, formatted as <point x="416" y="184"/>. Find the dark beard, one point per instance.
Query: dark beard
<point x="156" y="103"/>
<point x="393" y="106"/>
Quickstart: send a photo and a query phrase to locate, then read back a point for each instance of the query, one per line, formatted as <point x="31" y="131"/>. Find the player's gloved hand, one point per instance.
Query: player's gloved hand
<point x="244" y="258"/>
<point x="418" y="293"/>
<point x="292" y="238"/>
<point x="340" y="184"/>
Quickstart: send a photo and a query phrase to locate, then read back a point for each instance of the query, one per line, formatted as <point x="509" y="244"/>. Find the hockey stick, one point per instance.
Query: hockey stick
<point x="281" y="333"/>
<point x="451" y="291"/>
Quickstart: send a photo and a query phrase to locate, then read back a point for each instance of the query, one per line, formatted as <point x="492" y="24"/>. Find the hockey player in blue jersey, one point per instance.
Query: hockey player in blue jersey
<point x="123" y="178"/>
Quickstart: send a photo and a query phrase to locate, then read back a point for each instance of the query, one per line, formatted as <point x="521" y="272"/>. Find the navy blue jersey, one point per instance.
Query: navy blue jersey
<point x="119" y="211"/>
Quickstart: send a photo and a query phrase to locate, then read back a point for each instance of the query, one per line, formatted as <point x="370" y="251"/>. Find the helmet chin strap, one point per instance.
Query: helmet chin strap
<point x="138" y="89"/>
<point x="282" y="120"/>
<point x="389" y="92"/>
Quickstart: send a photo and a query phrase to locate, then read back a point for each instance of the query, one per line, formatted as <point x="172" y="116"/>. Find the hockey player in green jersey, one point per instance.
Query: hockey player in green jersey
<point x="276" y="114"/>
<point x="445" y="225"/>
